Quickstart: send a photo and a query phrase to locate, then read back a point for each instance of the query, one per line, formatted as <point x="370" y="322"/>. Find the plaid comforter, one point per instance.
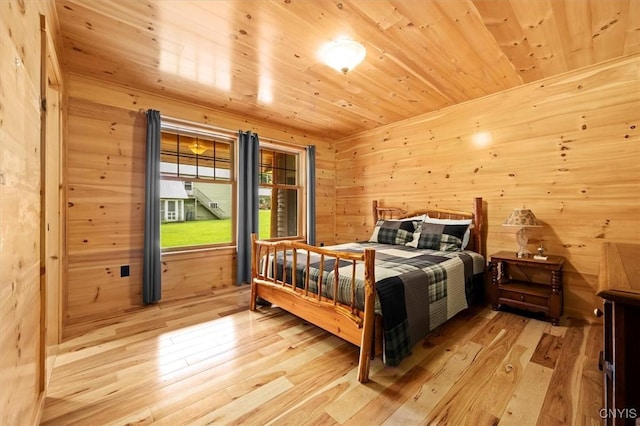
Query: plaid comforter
<point x="416" y="289"/>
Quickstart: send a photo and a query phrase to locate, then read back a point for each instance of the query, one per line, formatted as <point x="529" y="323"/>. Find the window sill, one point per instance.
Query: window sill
<point x="198" y="253"/>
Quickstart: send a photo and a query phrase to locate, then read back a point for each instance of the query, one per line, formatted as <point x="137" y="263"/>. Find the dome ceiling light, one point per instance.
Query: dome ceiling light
<point x="343" y="54"/>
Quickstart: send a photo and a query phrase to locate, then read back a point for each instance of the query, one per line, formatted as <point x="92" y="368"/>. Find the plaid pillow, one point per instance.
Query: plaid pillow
<point x="438" y="237"/>
<point x="397" y="232"/>
<point x="467" y="235"/>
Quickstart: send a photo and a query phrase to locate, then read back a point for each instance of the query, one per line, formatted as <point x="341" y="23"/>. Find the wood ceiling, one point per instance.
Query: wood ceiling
<point x="260" y="58"/>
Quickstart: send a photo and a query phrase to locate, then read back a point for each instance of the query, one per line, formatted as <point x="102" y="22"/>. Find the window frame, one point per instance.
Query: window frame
<point x="179" y="127"/>
<point x="300" y="186"/>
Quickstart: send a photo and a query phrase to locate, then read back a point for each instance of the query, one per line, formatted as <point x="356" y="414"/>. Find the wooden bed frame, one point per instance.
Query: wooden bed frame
<point x="343" y="320"/>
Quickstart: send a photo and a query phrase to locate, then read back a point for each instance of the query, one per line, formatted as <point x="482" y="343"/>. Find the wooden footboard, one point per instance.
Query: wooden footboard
<point x="273" y="282"/>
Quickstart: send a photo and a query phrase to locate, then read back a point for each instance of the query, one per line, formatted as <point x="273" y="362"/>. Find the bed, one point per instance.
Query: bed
<point x="417" y="270"/>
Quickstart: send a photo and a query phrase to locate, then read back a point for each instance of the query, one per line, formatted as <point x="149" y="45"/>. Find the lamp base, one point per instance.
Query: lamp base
<point x="523" y="252"/>
<point x="522" y="239"/>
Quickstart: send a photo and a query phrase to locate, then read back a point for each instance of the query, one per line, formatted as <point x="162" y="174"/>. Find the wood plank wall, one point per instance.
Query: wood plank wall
<point x="567" y="147"/>
<point x="21" y="372"/>
<point x="106" y="144"/>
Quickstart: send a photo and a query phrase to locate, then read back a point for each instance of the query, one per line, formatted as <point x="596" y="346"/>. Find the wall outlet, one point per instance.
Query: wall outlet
<point x="124" y="271"/>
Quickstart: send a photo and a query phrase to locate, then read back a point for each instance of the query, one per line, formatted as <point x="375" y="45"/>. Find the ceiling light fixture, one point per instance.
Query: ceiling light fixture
<point x="197" y="147"/>
<point x="343" y="54"/>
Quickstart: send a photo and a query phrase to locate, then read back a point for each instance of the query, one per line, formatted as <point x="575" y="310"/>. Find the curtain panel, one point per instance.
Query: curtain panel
<point x="248" y="183"/>
<point x="311" y="195"/>
<point x="151" y="275"/>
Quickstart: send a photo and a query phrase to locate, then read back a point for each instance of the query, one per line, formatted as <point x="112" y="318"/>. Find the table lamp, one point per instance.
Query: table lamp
<point x="522" y="218"/>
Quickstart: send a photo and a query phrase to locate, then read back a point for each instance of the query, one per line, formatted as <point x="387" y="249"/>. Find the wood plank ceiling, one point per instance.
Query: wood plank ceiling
<point x="260" y="58"/>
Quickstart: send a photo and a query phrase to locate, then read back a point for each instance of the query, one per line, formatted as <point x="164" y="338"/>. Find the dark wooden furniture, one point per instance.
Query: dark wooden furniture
<point x="527" y="283"/>
<point x="619" y="286"/>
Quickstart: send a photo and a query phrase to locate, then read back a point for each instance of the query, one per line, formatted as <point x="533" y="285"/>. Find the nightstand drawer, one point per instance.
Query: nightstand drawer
<point x="519" y="296"/>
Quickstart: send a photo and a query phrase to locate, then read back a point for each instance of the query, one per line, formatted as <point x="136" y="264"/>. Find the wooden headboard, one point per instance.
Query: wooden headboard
<point x="475" y="244"/>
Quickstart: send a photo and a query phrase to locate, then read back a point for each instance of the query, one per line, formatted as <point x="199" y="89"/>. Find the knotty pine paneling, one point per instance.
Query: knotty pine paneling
<point x="21" y="375"/>
<point x="567" y="147"/>
<point x="180" y="279"/>
<point x="105" y="173"/>
<point x="422" y="56"/>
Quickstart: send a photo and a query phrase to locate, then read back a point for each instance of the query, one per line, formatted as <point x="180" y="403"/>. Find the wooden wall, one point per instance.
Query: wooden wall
<point x="23" y="338"/>
<point x="567" y="147"/>
<point x="106" y="144"/>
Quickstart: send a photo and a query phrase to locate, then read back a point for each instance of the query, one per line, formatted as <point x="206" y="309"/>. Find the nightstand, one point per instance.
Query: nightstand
<point x="527" y="283"/>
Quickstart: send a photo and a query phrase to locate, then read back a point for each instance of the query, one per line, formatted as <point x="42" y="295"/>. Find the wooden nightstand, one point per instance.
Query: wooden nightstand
<point x="527" y="283"/>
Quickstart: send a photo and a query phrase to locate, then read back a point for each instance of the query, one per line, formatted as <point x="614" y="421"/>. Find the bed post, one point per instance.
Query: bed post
<point x="254" y="272"/>
<point x="374" y="207"/>
<point x="478" y="221"/>
<point x="369" y="317"/>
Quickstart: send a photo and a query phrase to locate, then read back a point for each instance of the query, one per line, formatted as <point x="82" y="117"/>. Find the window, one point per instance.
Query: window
<point x="280" y="199"/>
<point x="196" y="189"/>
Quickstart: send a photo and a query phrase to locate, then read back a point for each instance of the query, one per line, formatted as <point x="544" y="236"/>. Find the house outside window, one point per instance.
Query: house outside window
<point x="196" y="190"/>
<point x="172" y="196"/>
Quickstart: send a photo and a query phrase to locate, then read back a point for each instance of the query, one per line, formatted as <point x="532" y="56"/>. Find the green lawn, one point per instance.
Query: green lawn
<point x="205" y="231"/>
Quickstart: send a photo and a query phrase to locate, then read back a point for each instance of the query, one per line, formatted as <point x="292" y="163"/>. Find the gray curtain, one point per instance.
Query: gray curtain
<point x="311" y="195"/>
<point x="151" y="275"/>
<point x="248" y="150"/>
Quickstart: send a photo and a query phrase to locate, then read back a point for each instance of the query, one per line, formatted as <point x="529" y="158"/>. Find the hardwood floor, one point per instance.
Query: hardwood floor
<point x="212" y="361"/>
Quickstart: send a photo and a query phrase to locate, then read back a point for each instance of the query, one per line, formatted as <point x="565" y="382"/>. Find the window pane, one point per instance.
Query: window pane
<point x="290" y="177"/>
<point x="222" y="153"/>
<point x="169" y="154"/>
<point x="195" y="157"/>
<point x="278" y="168"/>
<point x="290" y="162"/>
<point x="206" y="162"/>
<point x="197" y="212"/>
<point x="199" y="216"/>
<point x="266" y="161"/>
<point x="285" y="169"/>
<point x="266" y="177"/>
<point x="264" y="213"/>
<point x="278" y="212"/>
<point x="187" y="162"/>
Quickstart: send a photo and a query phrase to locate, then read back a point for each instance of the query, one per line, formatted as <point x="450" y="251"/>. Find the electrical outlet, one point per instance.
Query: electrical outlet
<point x="124" y="271"/>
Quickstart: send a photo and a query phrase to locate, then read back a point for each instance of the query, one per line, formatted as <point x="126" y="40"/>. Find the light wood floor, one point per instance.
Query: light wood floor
<point x="211" y="361"/>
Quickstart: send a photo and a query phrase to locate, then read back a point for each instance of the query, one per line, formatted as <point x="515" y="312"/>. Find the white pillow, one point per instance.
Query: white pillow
<point x="465" y="239"/>
<point x="420" y="218"/>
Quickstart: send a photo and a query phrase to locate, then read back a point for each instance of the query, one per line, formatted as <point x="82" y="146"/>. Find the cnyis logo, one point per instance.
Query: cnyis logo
<point x="618" y="413"/>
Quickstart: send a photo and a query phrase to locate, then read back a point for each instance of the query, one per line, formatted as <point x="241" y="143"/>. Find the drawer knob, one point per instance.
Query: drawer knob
<point x="522" y="297"/>
<point x="597" y="312"/>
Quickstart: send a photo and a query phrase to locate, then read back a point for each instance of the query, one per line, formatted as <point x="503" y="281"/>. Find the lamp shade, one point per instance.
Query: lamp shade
<point x="522" y="218"/>
<point x="343" y="54"/>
